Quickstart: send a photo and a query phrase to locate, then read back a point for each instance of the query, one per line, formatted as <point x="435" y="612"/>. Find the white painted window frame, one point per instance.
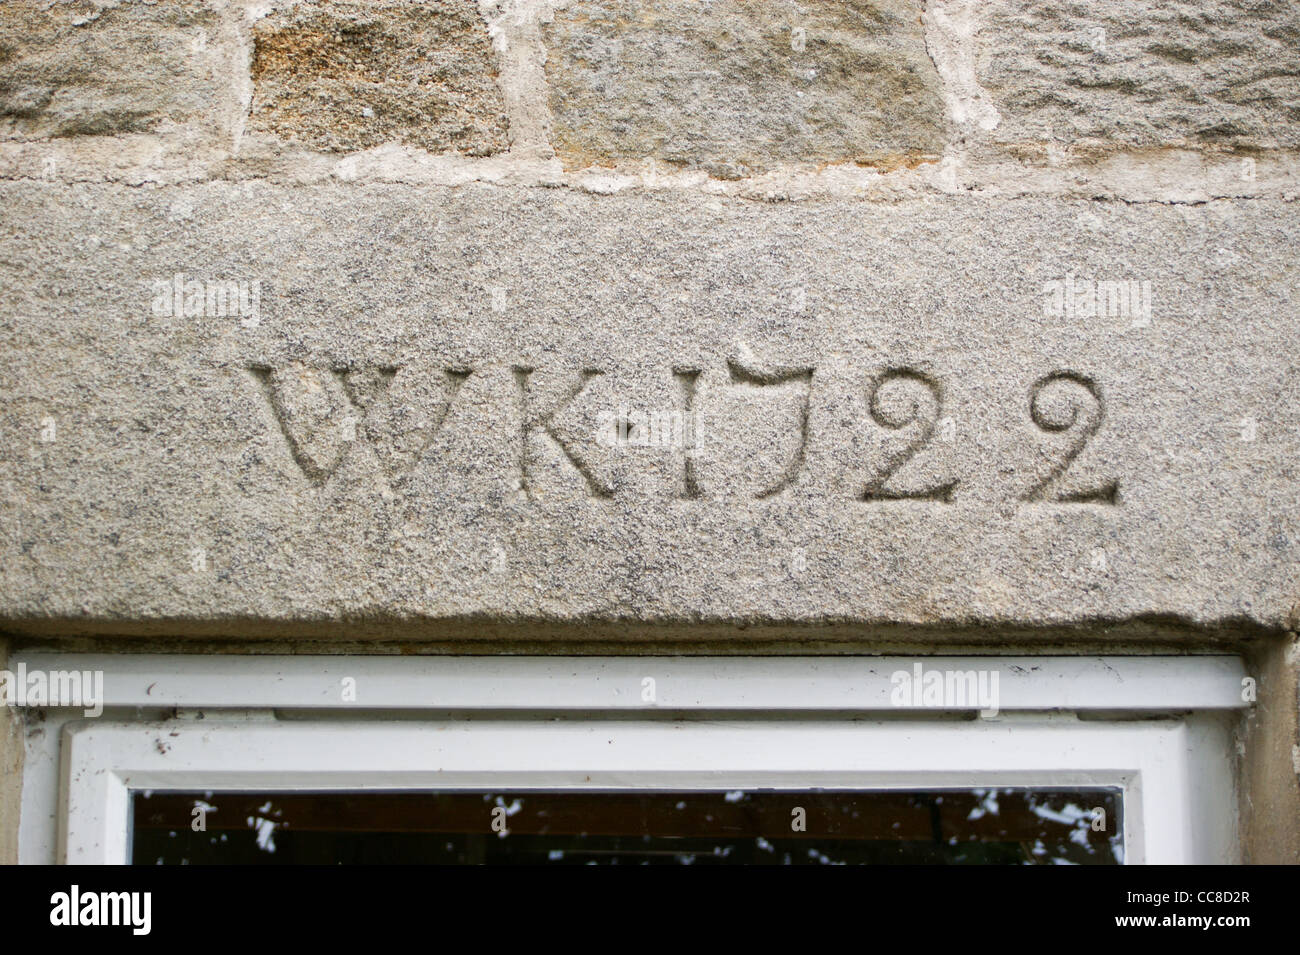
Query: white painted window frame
<point x="1159" y="728"/>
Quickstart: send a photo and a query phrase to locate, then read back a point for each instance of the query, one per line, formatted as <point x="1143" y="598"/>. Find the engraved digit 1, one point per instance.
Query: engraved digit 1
<point x="1066" y="401"/>
<point x="902" y="398"/>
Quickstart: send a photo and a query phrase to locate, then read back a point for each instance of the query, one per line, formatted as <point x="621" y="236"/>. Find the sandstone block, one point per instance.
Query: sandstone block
<point x="546" y="406"/>
<point x="78" y="68"/>
<point x="342" y="75"/>
<point x="735" y="87"/>
<point x="1219" y="73"/>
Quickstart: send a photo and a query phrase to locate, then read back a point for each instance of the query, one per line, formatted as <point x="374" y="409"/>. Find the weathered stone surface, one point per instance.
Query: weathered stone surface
<point x="735" y="87"/>
<point x="417" y="416"/>
<point x="107" y="67"/>
<point x="341" y="75"/>
<point x="1131" y="74"/>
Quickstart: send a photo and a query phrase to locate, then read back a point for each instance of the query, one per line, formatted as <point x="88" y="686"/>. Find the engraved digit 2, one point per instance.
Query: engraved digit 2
<point x="901" y="398"/>
<point x="1067" y="401"/>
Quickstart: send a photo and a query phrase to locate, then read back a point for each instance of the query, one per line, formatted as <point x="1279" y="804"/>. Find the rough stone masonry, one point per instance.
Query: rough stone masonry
<point x="847" y="319"/>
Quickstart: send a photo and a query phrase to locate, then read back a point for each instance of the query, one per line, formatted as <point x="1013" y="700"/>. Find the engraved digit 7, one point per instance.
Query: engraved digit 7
<point x="1056" y="404"/>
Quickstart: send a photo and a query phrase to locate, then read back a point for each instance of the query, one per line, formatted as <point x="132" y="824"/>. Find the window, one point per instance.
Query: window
<point x="629" y="760"/>
<point x="622" y="827"/>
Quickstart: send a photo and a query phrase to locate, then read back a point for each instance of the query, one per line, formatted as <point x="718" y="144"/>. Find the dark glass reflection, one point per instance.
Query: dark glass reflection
<point x="760" y="827"/>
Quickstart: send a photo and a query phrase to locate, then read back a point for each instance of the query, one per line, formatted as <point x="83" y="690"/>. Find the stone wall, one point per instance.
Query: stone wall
<point x="867" y="99"/>
<point x="729" y="326"/>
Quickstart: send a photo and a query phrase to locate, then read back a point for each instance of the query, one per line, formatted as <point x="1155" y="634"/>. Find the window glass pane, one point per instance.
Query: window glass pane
<point x="764" y="827"/>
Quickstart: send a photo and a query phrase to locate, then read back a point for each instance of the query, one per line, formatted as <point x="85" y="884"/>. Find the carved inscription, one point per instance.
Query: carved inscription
<point x="325" y="413"/>
<point x="798" y="380"/>
<point x="545" y="420"/>
<point x="395" y="413"/>
<point x="1068" y="403"/>
<point x="906" y="401"/>
<point x="687" y="381"/>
